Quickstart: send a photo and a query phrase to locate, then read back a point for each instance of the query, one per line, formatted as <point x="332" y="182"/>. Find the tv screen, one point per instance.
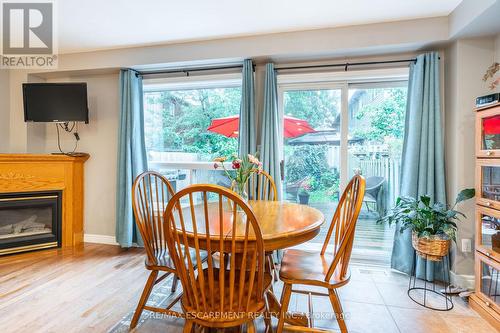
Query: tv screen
<point x="55" y="102"/>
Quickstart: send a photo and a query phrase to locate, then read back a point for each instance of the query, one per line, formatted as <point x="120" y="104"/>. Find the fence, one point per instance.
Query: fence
<point x="388" y="168"/>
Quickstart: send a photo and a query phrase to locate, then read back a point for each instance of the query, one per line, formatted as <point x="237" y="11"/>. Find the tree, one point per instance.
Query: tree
<point x="319" y="107"/>
<point x="178" y="120"/>
<point x="385" y="119"/>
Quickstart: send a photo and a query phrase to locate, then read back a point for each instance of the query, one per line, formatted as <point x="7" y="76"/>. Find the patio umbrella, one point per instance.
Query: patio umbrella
<point x="228" y="126"/>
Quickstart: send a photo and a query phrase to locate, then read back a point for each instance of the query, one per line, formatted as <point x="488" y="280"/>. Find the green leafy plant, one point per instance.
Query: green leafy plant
<point x="426" y="219"/>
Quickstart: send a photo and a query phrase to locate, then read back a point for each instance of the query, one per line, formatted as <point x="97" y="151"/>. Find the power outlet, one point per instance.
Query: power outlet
<point x="466" y="245"/>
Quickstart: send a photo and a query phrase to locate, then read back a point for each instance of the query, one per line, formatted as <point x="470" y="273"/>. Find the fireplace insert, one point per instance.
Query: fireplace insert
<point x="30" y="221"/>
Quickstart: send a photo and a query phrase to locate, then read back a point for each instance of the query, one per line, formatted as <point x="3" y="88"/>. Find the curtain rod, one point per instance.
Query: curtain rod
<point x="347" y="64"/>
<point x="187" y="70"/>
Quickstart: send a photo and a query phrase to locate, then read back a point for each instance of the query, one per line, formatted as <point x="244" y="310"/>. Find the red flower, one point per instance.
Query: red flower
<point x="236" y="164"/>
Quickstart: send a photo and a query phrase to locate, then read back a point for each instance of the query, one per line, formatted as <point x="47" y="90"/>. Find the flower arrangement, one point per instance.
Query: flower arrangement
<point x="490" y="73"/>
<point x="242" y="169"/>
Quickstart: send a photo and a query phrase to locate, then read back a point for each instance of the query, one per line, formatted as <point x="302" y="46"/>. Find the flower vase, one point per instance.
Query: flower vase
<point x="240" y="188"/>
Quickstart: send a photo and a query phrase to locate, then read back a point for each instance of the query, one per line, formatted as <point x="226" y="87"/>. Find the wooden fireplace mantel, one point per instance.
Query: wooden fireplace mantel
<point x="45" y="172"/>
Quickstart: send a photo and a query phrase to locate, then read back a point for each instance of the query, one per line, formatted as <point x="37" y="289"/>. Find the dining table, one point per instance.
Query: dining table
<point x="282" y="224"/>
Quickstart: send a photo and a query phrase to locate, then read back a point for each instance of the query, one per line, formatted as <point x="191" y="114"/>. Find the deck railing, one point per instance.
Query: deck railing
<point x="389" y="169"/>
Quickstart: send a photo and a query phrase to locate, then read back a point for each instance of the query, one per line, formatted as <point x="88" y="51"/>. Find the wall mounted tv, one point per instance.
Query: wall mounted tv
<point x="55" y="102"/>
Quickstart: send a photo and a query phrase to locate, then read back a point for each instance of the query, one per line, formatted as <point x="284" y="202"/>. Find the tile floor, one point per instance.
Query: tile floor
<point x="375" y="301"/>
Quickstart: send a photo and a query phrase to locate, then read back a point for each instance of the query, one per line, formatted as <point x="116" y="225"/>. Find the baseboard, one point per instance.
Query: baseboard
<point x="100" y="239"/>
<point x="464" y="281"/>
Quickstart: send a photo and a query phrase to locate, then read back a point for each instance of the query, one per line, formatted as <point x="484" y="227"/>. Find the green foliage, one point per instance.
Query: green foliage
<point x="185" y="115"/>
<point x="309" y="163"/>
<point x="425" y="218"/>
<point x="319" y="107"/>
<point x="385" y="119"/>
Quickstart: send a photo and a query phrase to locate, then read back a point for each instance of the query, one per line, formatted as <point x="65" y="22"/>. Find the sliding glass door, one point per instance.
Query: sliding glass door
<point x="311" y="147"/>
<point x="334" y="130"/>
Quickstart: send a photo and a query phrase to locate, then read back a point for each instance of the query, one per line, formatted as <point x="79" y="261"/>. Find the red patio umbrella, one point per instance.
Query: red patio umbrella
<point x="228" y="126"/>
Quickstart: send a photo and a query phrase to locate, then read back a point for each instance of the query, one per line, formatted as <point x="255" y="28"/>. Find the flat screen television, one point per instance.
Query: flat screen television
<point x="55" y="102"/>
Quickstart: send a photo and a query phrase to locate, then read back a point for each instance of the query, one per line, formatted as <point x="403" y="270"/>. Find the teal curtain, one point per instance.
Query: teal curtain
<point x="269" y="151"/>
<point x="247" y="142"/>
<point x="422" y="170"/>
<point x="269" y="141"/>
<point x="132" y="159"/>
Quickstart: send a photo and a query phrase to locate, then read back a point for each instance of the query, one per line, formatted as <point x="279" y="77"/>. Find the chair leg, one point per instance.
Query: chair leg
<point x="337" y="308"/>
<point x="175" y="281"/>
<point x="188" y="326"/>
<point x="144" y="298"/>
<point x="285" y="300"/>
<point x="272" y="267"/>
<point x="250" y="327"/>
<point x="267" y="317"/>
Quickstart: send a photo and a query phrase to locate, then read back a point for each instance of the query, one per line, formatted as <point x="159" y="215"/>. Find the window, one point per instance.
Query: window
<point x="354" y="124"/>
<point x="177" y="114"/>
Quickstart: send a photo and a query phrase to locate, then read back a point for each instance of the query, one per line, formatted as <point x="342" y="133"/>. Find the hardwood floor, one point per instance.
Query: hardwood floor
<point x="91" y="289"/>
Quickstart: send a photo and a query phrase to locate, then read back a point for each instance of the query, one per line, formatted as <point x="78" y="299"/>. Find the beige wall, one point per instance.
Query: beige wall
<point x="465" y="63"/>
<point x="99" y="138"/>
<point x="4" y="110"/>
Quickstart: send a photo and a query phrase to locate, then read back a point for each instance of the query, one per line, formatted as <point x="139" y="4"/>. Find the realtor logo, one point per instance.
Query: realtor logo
<point x="28" y="34"/>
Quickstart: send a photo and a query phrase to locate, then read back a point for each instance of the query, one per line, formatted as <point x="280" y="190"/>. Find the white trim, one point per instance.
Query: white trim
<point x="193" y="82"/>
<point x="99" y="239"/>
<point x="373" y="75"/>
<point x="188" y="165"/>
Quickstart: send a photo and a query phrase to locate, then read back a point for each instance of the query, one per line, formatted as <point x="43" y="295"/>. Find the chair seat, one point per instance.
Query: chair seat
<point x="164" y="261"/>
<point x="309" y="268"/>
<point x="235" y="315"/>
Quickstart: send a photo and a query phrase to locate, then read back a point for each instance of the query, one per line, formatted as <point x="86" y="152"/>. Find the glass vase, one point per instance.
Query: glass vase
<point x="240" y="188"/>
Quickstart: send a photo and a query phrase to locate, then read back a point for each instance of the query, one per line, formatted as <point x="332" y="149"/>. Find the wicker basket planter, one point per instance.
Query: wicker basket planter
<point x="431" y="248"/>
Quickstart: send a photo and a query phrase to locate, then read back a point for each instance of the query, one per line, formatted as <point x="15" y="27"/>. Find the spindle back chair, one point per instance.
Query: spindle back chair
<point x="228" y="292"/>
<point x="329" y="268"/>
<point x="261" y="186"/>
<point x="150" y="194"/>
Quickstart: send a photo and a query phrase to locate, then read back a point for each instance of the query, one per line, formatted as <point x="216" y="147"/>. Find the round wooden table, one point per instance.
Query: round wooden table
<point x="283" y="224"/>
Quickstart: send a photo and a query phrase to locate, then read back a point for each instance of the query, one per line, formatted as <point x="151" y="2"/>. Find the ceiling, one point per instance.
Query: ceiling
<point x="96" y="24"/>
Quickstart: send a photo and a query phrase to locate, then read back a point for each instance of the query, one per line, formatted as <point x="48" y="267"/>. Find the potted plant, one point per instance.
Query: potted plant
<point x="303" y="193"/>
<point x="433" y="226"/>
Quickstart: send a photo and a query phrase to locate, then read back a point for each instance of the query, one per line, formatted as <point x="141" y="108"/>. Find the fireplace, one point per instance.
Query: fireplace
<point x="30" y="221"/>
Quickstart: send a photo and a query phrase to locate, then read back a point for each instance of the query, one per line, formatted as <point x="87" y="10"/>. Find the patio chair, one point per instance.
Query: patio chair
<point x="373" y="187"/>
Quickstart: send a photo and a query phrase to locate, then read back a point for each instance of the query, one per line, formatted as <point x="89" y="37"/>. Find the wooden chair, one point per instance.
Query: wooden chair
<point x="150" y="194"/>
<point x="329" y="268"/>
<point x="261" y="186"/>
<point x="224" y="295"/>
